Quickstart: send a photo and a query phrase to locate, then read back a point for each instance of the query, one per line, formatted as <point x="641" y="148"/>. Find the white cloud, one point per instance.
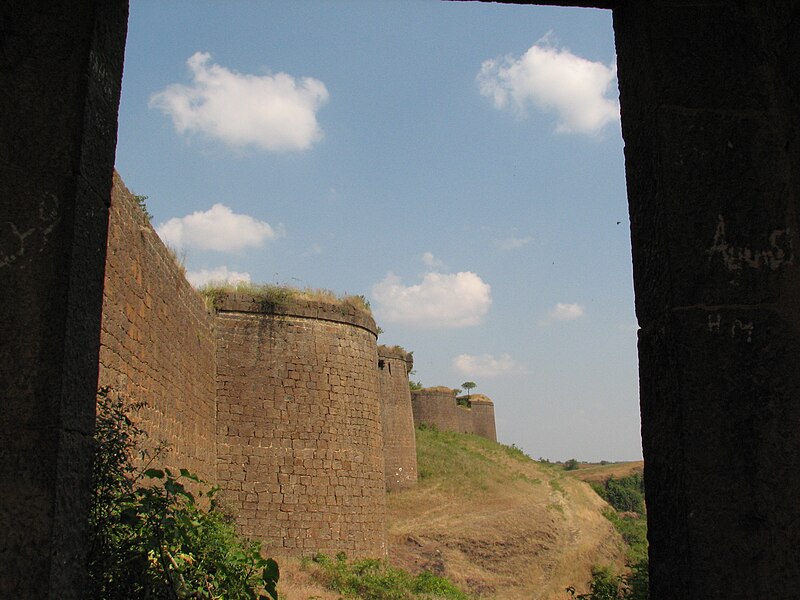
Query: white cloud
<point x="218" y="228"/>
<point x="272" y="112"/>
<point x="431" y="261"/>
<point x="566" y="312"/>
<point x="484" y="365"/>
<point x="513" y="243"/>
<point x="440" y="300"/>
<point x="217" y="275"/>
<point x="553" y="79"/>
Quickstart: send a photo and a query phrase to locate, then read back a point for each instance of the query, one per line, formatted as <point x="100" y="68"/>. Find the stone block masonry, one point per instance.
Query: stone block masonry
<point x="157" y="340"/>
<point x="437" y="406"/>
<point x="464" y="419"/>
<point x="399" y="441"/>
<point x="483" y="423"/>
<point x="286" y="402"/>
<point x="299" y="434"/>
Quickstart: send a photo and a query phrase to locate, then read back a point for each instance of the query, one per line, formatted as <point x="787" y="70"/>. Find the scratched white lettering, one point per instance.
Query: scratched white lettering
<point x="780" y="250"/>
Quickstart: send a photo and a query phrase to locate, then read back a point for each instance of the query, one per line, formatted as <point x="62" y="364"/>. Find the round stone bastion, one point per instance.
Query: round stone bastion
<point x="435" y="406"/>
<point x="299" y="432"/>
<point x="399" y="439"/>
<point x="483" y="423"/>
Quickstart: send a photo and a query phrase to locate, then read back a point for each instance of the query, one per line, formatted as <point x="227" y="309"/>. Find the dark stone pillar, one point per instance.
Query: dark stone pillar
<point x="711" y="119"/>
<point x="60" y="75"/>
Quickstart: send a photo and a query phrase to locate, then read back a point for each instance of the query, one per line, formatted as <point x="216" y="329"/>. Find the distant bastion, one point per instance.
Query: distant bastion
<point x="399" y="443"/>
<point x="440" y="408"/>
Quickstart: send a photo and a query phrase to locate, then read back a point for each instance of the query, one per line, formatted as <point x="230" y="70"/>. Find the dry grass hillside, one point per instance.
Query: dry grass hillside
<point x="497" y="523"/>
<point x="595" y="472"/>
<point x="492" y="520"/>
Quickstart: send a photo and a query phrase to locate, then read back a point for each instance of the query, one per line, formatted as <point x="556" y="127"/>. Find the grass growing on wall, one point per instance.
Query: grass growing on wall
<point x="272" y="296"/>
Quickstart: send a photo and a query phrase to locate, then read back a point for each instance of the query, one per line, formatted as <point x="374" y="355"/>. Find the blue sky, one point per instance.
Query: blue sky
<point x="459" y="164"/>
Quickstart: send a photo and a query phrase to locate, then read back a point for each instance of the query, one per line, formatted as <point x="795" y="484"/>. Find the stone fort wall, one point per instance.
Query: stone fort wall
<point x="289" y="406"/>
<point x="399" y="441"/>
<point x="483" y="423"/>
<point x="299" y="434"/>
<point x="157" y="339"/>
<point x="437" y="406"/>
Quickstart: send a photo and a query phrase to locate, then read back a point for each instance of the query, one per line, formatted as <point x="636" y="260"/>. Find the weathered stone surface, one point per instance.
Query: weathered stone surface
<point x="710" y="121"/>
<point x="157" y="345"/>
<point x="483" y="423"/>
<point x="299" y="434"/>
<point x="399" y="440"/>
<point x="437" y="406"/>
<point x="60" y="74"/>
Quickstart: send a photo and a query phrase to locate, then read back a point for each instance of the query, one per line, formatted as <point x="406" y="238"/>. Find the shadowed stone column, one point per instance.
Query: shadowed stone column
<point x="60" y="75"/>
<point x="710" y="103"/>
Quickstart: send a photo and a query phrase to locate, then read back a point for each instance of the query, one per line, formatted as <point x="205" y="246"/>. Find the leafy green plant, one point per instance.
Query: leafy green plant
<point x="141" y="201"/>
<point x="571" y="464"/>
<point x="627" y="512"/>
<point x="153" y="537"/>
<point x="413" y="385"/>
<point x="624" y="493"/>
<point x="463" y="402"/>
<point x="469" y="385"/>
<point x="606" y="585"/>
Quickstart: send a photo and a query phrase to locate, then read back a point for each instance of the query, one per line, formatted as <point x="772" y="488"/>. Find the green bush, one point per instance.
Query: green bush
<point x="159" y="539"/>
<point x="605" y="585"/>
<point x="625" y="494"/>
<point x="634" y="531"/>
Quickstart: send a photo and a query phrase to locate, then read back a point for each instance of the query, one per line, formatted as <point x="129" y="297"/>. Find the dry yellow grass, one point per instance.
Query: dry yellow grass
<point x="282" y="293"/>
<point x="594" y="472"/>
<point x="498" y="524"/>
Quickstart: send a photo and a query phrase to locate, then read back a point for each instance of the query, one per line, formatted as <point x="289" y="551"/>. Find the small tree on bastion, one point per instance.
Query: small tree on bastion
<point x="469" y="385"/>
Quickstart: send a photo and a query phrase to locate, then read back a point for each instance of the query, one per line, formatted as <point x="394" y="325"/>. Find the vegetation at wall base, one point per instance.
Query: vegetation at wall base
<point x="152" y="537"/>
<point x="372" y="579"/>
